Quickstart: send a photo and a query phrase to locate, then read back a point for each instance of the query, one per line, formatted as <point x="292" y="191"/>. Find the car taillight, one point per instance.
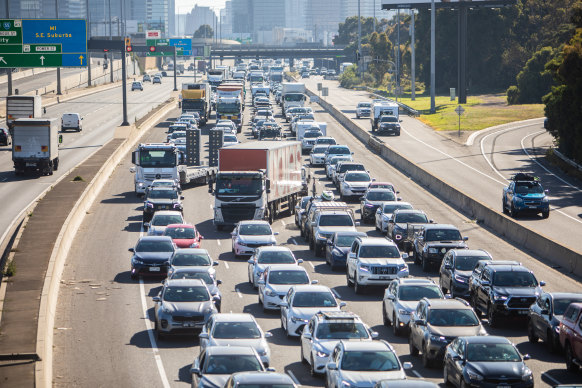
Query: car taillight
<point x="17" y="148"/>
<point x="44" y="148"/>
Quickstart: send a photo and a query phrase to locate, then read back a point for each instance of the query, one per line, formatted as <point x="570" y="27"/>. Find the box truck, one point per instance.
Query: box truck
<point x="22" y="107"/>
<point x="35" y="145"/>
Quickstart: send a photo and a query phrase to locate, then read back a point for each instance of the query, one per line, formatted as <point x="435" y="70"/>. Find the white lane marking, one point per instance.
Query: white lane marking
<point x="4" y="179"/>
<point x="551" y="378"/>
<point x="294" y="242"/>
<point x="226" y="265"/>
<point x="218" y="242"/>
<point x="453" y="158"/>
<point x="337" y="294"/>
<point x="283" y="222"/>
<point x="417" y="374"/>
<point x="475" y="134"/>
<point x="293" y="377"/>
<point x="155" y="350"/>
<point x="311" y="264"/>
<point x="238" y="293"/>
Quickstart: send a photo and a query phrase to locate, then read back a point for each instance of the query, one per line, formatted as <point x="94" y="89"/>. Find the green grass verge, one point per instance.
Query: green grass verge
<point x="480" y="112"/>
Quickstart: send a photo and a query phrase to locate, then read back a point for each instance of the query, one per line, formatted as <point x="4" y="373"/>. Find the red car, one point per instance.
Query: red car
<point x="571" y="336"/>
<point x="184" y="235"/>
<point x="383" y="185"/>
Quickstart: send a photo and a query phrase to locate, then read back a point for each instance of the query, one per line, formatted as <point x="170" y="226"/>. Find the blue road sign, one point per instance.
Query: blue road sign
<point x="185" y="44"/>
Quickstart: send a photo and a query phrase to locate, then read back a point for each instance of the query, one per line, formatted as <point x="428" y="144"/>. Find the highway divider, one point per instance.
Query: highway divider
<point x="539" y="245"/>
<point x="50" y="292"/>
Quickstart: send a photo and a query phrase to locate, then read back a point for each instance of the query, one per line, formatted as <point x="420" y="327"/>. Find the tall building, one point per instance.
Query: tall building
<point x="267" y="14"/>
<point x="200" y="16"/>
<point x="242" y="17"/>
<point x="368" y="8"/>
<point x="323" y="18"/>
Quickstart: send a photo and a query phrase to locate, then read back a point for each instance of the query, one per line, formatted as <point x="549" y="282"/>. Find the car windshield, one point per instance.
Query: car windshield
<point x="339" y="150"/>
<point x="450" y="317"/>
<point x="492" y="353"/>
<point x="357" y="177"/>
<point x="467" y="263"/>
<point x="326" y="141"/>
<point x="236" y="330"/>
<point x="304" y="202"/>
<point x="288" y="277"/>
<point x="415" y="293"/>
<point x="369" y="361"/>
<point x="203" y="275"/>
<point x="190" y="259"/>
<point x="314" y="299"/>
<point x="345" y="240"/>
<point x="560" y="304"/>
<point x="163" y="194"/>
<point x="186" y="294"/>
<point x="277" y="257"/>
<point x="318" y="150"/>
<point x="336" y="220"/>
<point x="227" y="364"/>
<point x="528" y="188"/>
<point x="341" y="330"/>
<point x="266" y="385"/>
<point x="254" y="230"/>
<point x="384" y="251"/>
<point x="514" y="279"/>
<point x="389" y="209"/>
<point x="167" y="219"/>
<point x="412" y="218"/>
<point x="443" y="234"/>
<point x="178" y="134"/>
<point x="381" y="196"/>
<point x="154" y="246"/>
<point x="364" y="105"/>
<point x="312" y="134"/>
<point x="230" y="139"/>
<point x="180" y="233"/>
<point x="352" y="167"/>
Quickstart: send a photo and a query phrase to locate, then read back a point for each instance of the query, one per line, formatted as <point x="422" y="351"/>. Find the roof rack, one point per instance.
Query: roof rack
<point x="338" y="315"/>
<point x="524" y="177"/>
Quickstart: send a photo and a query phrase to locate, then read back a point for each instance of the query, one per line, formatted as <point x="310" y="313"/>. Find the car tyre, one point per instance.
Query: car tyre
<point x="426" y="361"/>
<point x="446" y="379"/>
<point x="415" y="256"/>
<point x="503" y="207"/>
<point x="531" y="335"/>
<point x="512" y="211"/>
<point x="546" y="214"/>
<point x="491" y="316"/>
<point x="396" y="327"/>
<point x="358" y="288"/>
<point x="570" y="365"/>
<point x="312" y="368"/>
<point x="411" y="348"/>
<point x="348" y="280"/>
<point x="133" y="276"/>
<point x="425" y="265"/>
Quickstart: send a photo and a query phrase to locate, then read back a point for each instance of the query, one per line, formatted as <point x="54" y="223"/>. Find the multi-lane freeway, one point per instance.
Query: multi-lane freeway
<point x="104" y="322"/>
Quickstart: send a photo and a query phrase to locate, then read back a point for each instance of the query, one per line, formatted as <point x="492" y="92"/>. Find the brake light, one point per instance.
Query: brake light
<point x="17" y="148"/>
<point x="44" y="148"/>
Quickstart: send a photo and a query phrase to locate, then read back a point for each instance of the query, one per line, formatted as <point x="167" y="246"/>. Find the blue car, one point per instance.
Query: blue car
<point x="525" y="194"/>
<point x="338" y="246"/>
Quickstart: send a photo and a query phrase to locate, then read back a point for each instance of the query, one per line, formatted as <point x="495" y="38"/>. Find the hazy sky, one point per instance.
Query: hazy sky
<point x="184" y="6"/>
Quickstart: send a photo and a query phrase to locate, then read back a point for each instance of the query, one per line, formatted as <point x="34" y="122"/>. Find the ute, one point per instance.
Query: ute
<point x="525" y="194"/>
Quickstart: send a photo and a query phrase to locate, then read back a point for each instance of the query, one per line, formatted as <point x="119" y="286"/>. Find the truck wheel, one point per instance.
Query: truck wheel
<point x="56" y="164"/>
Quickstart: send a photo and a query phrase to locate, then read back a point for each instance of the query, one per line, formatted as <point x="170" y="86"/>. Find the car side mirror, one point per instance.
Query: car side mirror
<point x="485" y="283"/>
<point x="299" y="261"/>
<point x="233" y="234"/>
<point x="465" y="238"/>
<point x="544" y="312"/>
<point x="509" y="191"/>
<point x="271" y="369"/>
<point x="284" y="304"/>
<point x="448" y="266"/>
<point x="315" y="282"/>
<point x="268" y="334"/>
<point x="147" y="224"/>
<point x="181" y="197"/>
<point x="399" y="198"/>
<point x="357" y="223"/>
<point x="407" y="365"/>
<point x="261" y="282"/>
<point x="331" y="366"/>
<point x="431" y="221"/>
<point x="542" y="283"/>
<point x="457" y="358"/>
<point x="219" y="282"/>
<point x="195" y="371"/>
<point x="405" y="256"/>
<point x="132" y="170"/>
<point x="419" y="322"/>
<point x="307" y="336"/>
<point x="546" y="191"/>
<point x="215" y="263"/>
<point x="276" y="233"/>
<point x="342" y="304"/>
<point x="203" y="336"/>
<point x="131" y="249"/>
<point x="250" y="261"/>
<point x="362" y="198"/>
<point x="216" y="298"/>
<point x="374" y="335"/>
<point x="156" y="299"/>
<point x="390" y="221"/>
<point x="526" y="357"/>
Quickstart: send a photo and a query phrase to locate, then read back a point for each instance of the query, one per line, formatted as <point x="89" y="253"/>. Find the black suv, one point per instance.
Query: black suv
<point x="161" y="198"/>
<point x="506" y="290"/>
<point x="433" y="241"/>
<point x="456" y="269"/>
<point x="403" y="224"/>
<point x="4" y="137"/>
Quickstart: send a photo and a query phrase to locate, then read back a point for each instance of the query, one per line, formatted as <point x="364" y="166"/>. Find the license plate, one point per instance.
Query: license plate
<point x="522" y="312"/>
<point x="384" y="277"/>
<point x="188" y="324"/>
<point x="503" y="386"/>
<point x="154" y="269"/>
<point x="30" y="164"/>
<point x="532" y="206"/>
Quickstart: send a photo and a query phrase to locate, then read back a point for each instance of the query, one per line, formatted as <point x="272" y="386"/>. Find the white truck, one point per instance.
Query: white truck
<point x="215" y="77"/>
<point x="22" y="107"/>
<point x="292" y="94"/>
<point x="260" y="87"/>
<point x="256" y="180"/>
<point x="162" y="161"/>
<point x="380" y="108"/>
<point x="35" y="145"/>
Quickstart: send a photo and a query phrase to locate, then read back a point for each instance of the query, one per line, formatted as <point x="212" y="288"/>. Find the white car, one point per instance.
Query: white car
<point x="236" y="330"/>
<point x="269" y="255"/>
<point x="301" y="302"/>
<point x="338" y="150"/>
<point x="161" y="219"/>
<point x="325" y="140"/>
<point x="229" y="139"/>
<point x="175" y="135"/>
<point x="249" y="235"/>
<point x="384" y="213"/>
<point x="323" y="333"/>
<point x="331" y="164"/>
<point x="363" y="109"/>
<point x="354" y="184"/>
<point x="317" y="155"/>
<point x="72" y="121"/>
<point x="276" y="281"/>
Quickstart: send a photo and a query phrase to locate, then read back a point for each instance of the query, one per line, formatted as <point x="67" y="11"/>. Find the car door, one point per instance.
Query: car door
<point x="333" y="376"/>
<point x="234" y="234"/>
<point x="445" y="272"/>
<point x="207" y="328"/>
<point x="458" y="365"/>
<point x="329" y="247"/>
<point x="352" y="258"/>
<point x="483" y="289"/>
<point x="510" y="193"/>
<point x="307" y="343"/>
<point x="416" y="330"/>
<point x="262" y="285"/>
<point x="286" y="309"/>
<point x="392" y="290"/>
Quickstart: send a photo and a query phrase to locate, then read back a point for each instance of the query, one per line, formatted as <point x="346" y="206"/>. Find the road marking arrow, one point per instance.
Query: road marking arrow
<point x="2" y="60"/>
<point x="42" y="60"/>
<point x="81" y="59"/>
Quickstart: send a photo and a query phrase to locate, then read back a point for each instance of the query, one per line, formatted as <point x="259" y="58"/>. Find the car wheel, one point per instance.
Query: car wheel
<point x="570" y="365"/>
<point x="491" y="317"/>
<point x="443" y="288"/>
<point x="303" y="359"/>
<point x="376" y="226"/>
<point x="385" y="319"/>
<point x="415" y="256"/>
<point x="133" y="276"/>
<point x="348" y="281"/>
<point x="358" y="288"/>
<point x="318" y="251"/>
<point x="396" y="326"/>
<point x="426" y="362"/>
<point x="552" y="343"/>
<point x="411" y="348"/>
<point x="503" y="207"/>
<point x="425" y="265"/>
<point x="311" y="244"/>
<point x="531" y="335"/>
<point x="546" y="214"/>
<point x="255" y="285"/>
<point x="446" y="377"/>
<point x="312" y="368"/>
<point x="512" y="211"/>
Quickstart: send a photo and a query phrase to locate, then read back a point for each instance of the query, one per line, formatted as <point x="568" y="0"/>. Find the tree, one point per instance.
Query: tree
<point x="348" y="30"/>
<point x="381" y="53"/>
<point x="204" y="31"/>
<point x="534" y="81"/>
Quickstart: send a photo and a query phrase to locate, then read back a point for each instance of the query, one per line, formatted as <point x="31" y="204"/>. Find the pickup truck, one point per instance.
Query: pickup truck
<point x="571" y="336"/>
<point x="525" y="194"/>
<point x="403" y="224"/>
<point x="433" y="241"/>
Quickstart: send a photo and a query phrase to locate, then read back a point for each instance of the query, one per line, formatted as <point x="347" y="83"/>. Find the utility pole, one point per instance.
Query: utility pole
<point x="88" y="14"/>
<point x="58" y="68"/>
<point x="412" y="57"/>
<point x="398" y="48"/>
<point x="359" y="40"/>
<point x="374" y="10"/>
<point x="432" y="57"/>
<point x="9" y="70"/>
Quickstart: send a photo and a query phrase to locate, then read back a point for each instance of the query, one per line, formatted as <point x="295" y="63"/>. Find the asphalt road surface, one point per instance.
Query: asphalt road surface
<point x="103" y="331"/>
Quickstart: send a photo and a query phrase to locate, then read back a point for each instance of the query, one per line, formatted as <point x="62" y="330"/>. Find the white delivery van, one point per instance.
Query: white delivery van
<point x="71" y="121"/>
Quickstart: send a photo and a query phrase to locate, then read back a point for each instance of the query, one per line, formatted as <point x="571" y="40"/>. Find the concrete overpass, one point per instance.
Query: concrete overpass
<point x="251" y="51"/>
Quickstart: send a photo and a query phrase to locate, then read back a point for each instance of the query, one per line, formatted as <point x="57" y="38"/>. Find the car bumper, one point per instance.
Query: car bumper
<point x="149" y="269"/>
<point x="247" y="250"/>
<point x="460" y="289"/>
<point x="368" y="212"/>
<point x="167" y="325"/>
<point x="436" y="350"/>
<point x="319" y="363"/>
<point x="272" y="302"/>
<point x="352" y="192"/>
<point x="364" y="113"/>
<point x="337" y="261"/>
<point x="295" y="328"/>
<point x="500" y="383"/>
<point x="317" y="161"/>
<point x="503" y="309"/>
<point x="367" y="279"/>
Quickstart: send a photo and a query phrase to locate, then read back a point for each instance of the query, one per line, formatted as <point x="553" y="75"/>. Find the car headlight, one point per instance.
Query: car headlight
<point x="242" y="243"/>
<point x="165" y="310"/>
<point x="149" y="204"/>
<point x="460" y="279"/>
<point x="136" y="261"/>
<point x="545" y="200"/>
<point x="518" y="199"/>
<point x="499" y="297"/>
<point x="364" y="267"/>
<point x="403" y="312"/>
<point x="295" y="320"/>
<point x="195" y="245"/>
<point x="527" y="375"/>
<point x="368" y="205"/>
<point x="437" y="338"/>
<point x="432" y="250"/>
<point x="270" y="292"/>
<point x="474" y="376"/>
<point x="177" y="205"/>
<point x="322" y="354"/>
<point x="402" y="267"/>
<point x="345" y="384"/>
<point x="262" y="352"/>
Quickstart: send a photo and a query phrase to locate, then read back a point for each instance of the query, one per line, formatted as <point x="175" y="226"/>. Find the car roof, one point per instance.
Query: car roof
<point x="415" y="281"/>
<point x="184" y="282"/>
<point x="441" y="226"/>
<point x="376" y="241"/>
<point x="155" y="238"/>
<point x="365" y="345"/>
<point x="273" y="248"/>
<point x="471" y="252"/>
<point x="396" y="202"/>
<point x="512" y="268"/>
<point x="240" y="317"/>
<point x="564" y="295"/>
<point x="487" y="339"/>
<point x="230" y="350"/>
<point x="410" y="383"/>
<point x="378" y="189"/>
<point x="262" y="378"/>
<point x="181" y="226"/>
<point x="311" y="288"/>
<point x="448" y="304"/>
<point x="350" y="233"/>
<point x="193" y="251"/>
<point x="253" y="222"/>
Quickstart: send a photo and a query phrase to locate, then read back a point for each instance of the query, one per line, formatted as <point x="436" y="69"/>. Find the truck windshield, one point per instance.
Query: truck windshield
<point x="228" y="107"/>
<point x="294" y="97"/>
<point x="192" y="105"/>
<point x="443" y="234"/>
<point x="239" y="185"/>
<point x="157" y="158"/>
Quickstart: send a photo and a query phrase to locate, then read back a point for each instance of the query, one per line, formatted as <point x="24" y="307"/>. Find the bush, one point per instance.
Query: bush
<point x="533" y="81"/>
<point x="513" y="95"/>
<point x="348" y="79"/>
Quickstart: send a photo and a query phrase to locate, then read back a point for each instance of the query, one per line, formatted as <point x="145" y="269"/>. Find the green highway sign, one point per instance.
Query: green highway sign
<point x="162" y="43"/>
<point x="43" y="43"/>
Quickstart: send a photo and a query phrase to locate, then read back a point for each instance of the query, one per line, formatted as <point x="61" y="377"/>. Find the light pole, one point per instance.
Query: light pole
<point x="88" y="14"/>
<point x="9" y="70"/>
<point x="58" y="68"/>
<point x="432" y="57"/>
<point x="412" y="58"/>
<point x="359" y="40"/>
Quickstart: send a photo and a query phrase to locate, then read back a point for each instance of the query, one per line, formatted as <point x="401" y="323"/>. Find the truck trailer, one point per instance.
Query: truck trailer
<point x="255" y="181"/>
<point x="35" y="145"/>
<point x="196" y="98"/>
<point x="292" y="94"/>
<point x="22" y="107"/>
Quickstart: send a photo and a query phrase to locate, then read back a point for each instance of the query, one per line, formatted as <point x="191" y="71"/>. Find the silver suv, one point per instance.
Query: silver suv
<point x="374" y="261"/>
<point x="325" y="224"/>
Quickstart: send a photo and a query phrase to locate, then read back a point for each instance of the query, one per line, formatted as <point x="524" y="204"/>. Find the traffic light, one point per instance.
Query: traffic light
<point x="152" y="49"/>
<point x="357" y="56"/>
<point x="128" y="47"/>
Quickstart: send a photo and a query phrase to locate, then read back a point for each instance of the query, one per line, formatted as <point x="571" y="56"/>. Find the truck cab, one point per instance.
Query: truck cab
<point x="154" y="161"/>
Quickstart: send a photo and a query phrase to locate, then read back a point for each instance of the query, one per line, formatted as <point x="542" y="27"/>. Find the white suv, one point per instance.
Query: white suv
<point x="374" y="261"/>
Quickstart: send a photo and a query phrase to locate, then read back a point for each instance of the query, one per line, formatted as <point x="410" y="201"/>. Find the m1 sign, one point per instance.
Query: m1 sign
<point x="153" y="34"/>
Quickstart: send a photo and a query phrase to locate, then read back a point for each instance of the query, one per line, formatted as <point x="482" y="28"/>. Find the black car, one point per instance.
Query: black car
<point x="338" y="246"/>
<point x="486" y="361"/>
<point x="373" y="198"/>
<point x="389" y="124"/>
<point x="402" y="225"/>
<point x="475" y="278"/>
<point x="506" y="290"/>
<point x="151" y="256"/>
<point x="545" y="315"/>
<point x="433" y="241"/>
<point x="456" y="268"/>
<point x="5" y="137"/>
<point x="161" y="198"/>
